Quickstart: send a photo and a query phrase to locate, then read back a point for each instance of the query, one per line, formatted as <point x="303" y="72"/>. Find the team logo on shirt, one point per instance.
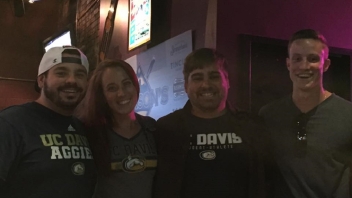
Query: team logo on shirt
<point x="67" y="146"/>
<point x="133" y="164"/>
<point x="207" y="155"/>
<point x="78" y="168"/>
<point x="70" y="128"/>
<point x="213" y="141"/>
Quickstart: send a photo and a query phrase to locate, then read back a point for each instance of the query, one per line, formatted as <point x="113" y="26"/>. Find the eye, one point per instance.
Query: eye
<point x="197" y="78"/>
<point x="81" y="75"/>
<point x="314" y="59"/>
<point x="60" y="73"/>
<point x="214" y="76"/>
<point x="111" y="88"/>
<point x="296" y="59"/>
<point x="127" y="83"/>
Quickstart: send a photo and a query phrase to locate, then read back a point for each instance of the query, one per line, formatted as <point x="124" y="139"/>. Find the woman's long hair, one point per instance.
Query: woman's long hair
<point x="94" y="110"/>
<point x="96" y="114"/>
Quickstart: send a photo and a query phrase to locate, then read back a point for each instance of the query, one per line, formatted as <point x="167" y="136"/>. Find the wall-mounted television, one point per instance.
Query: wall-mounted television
<point x="62" y="38"/>
<point x="139" y="23"/>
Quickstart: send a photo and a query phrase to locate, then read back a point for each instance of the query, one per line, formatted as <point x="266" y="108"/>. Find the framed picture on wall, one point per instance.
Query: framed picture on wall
<point x="139" y="23"/>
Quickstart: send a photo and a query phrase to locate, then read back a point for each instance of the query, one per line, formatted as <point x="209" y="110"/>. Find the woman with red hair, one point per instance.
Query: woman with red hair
<point x="121" y="140"/>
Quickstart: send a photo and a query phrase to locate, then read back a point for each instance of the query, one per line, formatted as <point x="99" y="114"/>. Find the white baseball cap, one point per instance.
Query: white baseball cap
<point x="54" y="56"/>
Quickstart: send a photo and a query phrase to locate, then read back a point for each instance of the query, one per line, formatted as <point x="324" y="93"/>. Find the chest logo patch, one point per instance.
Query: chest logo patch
<point x="207" y="155"/>
<point x="70" y="128"/>
<point x="133" y="164"/>
<point x="78" y="168"/>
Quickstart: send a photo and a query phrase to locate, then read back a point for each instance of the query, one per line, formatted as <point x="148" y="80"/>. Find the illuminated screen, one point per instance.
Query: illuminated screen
<point x="139" y="23"/>
<point x="61" y="40"/>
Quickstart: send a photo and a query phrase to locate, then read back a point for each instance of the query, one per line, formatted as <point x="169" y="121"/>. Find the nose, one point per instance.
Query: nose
<point x="71" y="79"/>
<point x="120" y="92"/>
<point x="305" y="64"/>
<point x="205" y="83"/>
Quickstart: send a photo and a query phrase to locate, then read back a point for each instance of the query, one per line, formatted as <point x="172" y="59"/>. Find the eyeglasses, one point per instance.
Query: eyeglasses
<point x="301" y="122"/>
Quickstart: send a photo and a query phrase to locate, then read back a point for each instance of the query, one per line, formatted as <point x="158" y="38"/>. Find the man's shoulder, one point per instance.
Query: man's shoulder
<point x="16" y="110"/>
<point x="171" y="120"/>
<point x="12" y="118"/>
<point x="171" y="116"/>
<point x="247" y="118"/>
<point x="146" y="118"/>
<point x="275" y="105"/>
<point x="147" y="121"/>
<point x="242" y="115"/>
<point x="251" y="129"/>
<point x="338" y="106"/>
<point x="341" y="101"/>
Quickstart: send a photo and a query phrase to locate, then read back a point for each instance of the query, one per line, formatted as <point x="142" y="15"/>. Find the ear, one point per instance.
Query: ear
<point x="185" y="85"/>
<point x="288" y="63"/>
<point x="40" y="81"/>
<point x="326" y="65"/>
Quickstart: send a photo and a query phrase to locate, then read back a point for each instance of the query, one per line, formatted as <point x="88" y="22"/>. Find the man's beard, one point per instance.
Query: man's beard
<point x="54" y="97"/>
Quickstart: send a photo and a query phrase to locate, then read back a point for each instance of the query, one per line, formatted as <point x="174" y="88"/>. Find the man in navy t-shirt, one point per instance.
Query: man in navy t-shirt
<point x="43" y="149"/>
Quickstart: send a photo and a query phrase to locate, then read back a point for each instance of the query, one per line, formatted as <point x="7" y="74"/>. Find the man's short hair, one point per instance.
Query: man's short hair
<point x="309" y="34"/>
<point x="201" y="58"/>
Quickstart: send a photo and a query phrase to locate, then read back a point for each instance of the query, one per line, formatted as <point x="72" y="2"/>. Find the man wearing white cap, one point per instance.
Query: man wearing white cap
<point x="43" y="149"/>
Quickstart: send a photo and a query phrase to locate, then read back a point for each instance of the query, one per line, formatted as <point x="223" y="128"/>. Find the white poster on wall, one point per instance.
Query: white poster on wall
<point x="159" y="71"/>
<point x="139" y="23"/>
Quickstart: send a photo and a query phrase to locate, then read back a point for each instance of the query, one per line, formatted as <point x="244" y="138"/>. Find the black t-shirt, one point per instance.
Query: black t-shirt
<point x="217" y="161"/>
<point x="44" y="154"/>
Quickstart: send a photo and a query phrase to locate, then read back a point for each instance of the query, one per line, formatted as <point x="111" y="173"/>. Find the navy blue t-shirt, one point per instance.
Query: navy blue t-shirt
<point x="217" y="162"/>
<point x="44" y="154"/>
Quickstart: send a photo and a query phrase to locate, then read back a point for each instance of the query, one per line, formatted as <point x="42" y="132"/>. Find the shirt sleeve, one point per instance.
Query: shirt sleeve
<point x="9" y="147"/>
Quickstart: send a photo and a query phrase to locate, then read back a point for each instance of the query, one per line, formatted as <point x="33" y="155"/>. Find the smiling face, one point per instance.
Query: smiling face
<point x="64" y="86"/>
<point x="207" y="89"/>
<point x="306" y="63"/>
<point x="119" y="91"/>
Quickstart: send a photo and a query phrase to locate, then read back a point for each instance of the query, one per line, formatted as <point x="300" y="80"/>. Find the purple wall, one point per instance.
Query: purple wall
<point x="271" y="18"/>
<point x="278" y="19"/>
<point x="189" y="15"/>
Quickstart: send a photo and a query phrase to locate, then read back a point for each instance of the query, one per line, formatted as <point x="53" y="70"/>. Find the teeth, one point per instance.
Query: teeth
<point x="304" y="75"/>
<point x="70" y="90"/>
<point x="124" y="102"/>
<point x="207" y="94"/>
